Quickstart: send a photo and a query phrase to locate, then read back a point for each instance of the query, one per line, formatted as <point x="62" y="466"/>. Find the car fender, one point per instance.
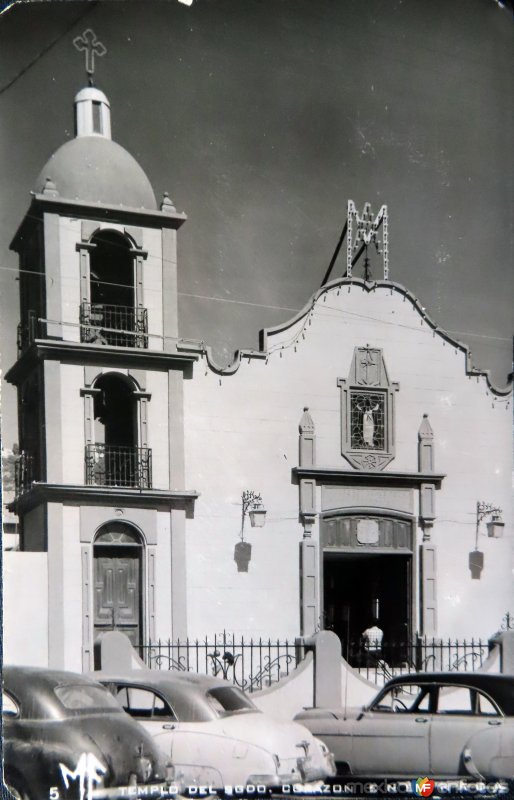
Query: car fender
<point x="489" y="753"/>
<point x="336" y="732"/>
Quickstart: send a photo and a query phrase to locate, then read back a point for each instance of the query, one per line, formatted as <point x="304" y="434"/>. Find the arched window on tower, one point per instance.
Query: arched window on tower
<point x="116" y="457"/>
<point x="113" y="316"/>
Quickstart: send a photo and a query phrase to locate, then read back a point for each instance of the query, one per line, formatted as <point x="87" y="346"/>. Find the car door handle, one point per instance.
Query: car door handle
<point x="169" y="727"/>
<point x="494" y="722"/>
<point x="421" y="719"/>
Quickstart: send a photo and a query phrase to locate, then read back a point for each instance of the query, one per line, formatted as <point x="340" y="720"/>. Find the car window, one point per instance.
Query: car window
<point x="228" y="699"/>
<point x="80" y="697"/>
<point x="485" y="706"/>
<point x="10" y="708"/>
<point x="455" y="700"/>
<point x="143" y="703"/>
<point x="410" y="698"/>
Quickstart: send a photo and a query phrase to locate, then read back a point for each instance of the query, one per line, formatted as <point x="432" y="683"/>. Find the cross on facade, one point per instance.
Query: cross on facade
<point x="92" y="46"/>
<point x="367" y="362"/>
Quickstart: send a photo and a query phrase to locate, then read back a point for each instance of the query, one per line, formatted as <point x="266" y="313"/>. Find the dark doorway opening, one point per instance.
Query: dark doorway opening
<point x="115" y="411"/>
<point x="359" y="588"/>
<point x="112" y="270"/>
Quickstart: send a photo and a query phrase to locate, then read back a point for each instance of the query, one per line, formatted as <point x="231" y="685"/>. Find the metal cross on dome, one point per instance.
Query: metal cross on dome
<point x="92" y="46"/>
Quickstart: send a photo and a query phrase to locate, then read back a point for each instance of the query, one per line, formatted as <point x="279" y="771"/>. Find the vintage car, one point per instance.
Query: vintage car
<point x="65" y="736"/>
<point x="438" y="724"/>
<point x="214" y="733"/>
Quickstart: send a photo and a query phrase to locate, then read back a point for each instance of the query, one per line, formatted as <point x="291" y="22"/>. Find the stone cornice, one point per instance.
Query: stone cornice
<point x="100" y="211"/>
<point x="99" y="354"/>
<point x="104" y="496"/>
<point x="345" y="477"/>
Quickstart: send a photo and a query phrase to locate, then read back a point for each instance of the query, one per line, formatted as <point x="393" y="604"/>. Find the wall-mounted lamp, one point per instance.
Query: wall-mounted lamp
<point x="251" y="504"/>
<point x="495" y="525"/>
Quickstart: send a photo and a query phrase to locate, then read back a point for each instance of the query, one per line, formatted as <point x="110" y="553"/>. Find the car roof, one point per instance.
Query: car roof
<point x="20" y="676"/>
<point x="33" y="688"/>
<point x="185" y="691"/>
<point x="478" y="679"/>
<point x="499" y="687"/>
<point x="160" y="677"/>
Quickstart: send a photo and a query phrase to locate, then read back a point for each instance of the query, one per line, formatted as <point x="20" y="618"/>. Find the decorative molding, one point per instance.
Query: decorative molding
<point x="426" y="462"/>
<point x="307" y="440"/>
<point x="428" y="586"/>
<point x="98" y="354"/>
<point x="87" y="593"/>
<point x="367" y="531"/>
<point x="367" y="477"/>
<point x="367" y="411"/>
<point x="95" y="211"/>
<point x="104" y="496"/>
<point x="151" y="553"/>
<point x="309" y="593"/>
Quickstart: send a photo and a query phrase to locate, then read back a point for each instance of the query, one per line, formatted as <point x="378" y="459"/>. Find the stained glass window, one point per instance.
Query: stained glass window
<point x="367" y="414"/>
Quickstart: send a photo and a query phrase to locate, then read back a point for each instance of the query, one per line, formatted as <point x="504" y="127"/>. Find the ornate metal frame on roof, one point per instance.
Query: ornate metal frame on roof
<point x="367" y="411"/>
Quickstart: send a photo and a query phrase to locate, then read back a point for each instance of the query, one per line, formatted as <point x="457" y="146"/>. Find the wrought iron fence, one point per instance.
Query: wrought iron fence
<point x="507" y="622"/>
<point x="108" y="465"/>
<point x="24" y="472"/>
<point x="121" y="326"/>
<point x="251" y="665"/>
<point x="29" y="329"/>
<point x="423" y="654"/>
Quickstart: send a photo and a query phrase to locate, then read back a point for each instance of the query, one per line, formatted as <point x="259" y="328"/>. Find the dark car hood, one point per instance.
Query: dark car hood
<point x="120" y="741"/>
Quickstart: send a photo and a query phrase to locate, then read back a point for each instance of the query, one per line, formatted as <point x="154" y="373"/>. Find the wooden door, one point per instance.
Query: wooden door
<point x="118" y="591"/>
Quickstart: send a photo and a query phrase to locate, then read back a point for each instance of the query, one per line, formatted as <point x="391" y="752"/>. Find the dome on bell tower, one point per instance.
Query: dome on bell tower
<point x="91" y="167"/>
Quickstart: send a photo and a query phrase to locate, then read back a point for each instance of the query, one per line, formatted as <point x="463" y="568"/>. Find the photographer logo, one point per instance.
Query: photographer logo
<point x="424" y="787"/>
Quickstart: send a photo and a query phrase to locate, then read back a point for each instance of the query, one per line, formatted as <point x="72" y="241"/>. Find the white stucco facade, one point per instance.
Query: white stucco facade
<point x="241" y="431"/>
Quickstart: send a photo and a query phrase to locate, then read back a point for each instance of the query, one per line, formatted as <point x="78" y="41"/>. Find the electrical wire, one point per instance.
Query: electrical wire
<point x="91" y="6"/>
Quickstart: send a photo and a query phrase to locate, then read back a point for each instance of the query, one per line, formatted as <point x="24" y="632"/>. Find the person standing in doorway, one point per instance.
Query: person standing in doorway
<point x="372" y="643"/>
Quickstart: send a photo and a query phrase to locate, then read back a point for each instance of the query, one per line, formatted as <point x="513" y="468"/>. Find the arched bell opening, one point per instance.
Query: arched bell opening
<point x="116" y="457"/>
<point x="113" y="315"/>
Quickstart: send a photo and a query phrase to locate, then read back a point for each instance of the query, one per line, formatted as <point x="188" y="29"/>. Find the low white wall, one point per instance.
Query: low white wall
<point x="25" y="594"/>
<point x="356" y="691"/>
<point x="290" y="695"/>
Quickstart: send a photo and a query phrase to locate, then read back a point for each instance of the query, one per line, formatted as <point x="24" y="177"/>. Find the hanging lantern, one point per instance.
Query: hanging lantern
<point x="495" y="527"/>
<point x="257" y="515"/>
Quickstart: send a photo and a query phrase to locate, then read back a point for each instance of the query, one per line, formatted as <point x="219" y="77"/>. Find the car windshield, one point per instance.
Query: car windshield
<point x="229" y="700"/>
<point x="80" y="697"/>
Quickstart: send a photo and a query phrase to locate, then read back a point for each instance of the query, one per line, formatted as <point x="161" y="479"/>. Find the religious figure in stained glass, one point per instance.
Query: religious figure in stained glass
<point x="367" y="411"/>
<point x="367" y="421"/>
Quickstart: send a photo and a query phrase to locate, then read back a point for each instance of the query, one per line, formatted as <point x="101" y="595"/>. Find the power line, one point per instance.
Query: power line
<point x="91" y="6"/>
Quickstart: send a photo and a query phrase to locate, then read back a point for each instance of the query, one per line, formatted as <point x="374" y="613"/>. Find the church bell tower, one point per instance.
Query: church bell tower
<point x="100" y="472"/>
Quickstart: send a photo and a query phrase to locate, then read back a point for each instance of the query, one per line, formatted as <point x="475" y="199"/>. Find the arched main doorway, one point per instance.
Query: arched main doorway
<point x="118" y="581"/>
<point x="368" y="576"/>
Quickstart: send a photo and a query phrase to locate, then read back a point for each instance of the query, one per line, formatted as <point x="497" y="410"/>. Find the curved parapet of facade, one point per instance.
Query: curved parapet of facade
<point x="266" y="334"/>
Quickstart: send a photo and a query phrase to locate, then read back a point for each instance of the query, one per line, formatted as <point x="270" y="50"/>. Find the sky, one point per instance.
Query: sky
<point x="261" y="118"/>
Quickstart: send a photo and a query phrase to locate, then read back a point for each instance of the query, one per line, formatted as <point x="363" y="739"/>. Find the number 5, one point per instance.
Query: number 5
<point x="54" y="793"/>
